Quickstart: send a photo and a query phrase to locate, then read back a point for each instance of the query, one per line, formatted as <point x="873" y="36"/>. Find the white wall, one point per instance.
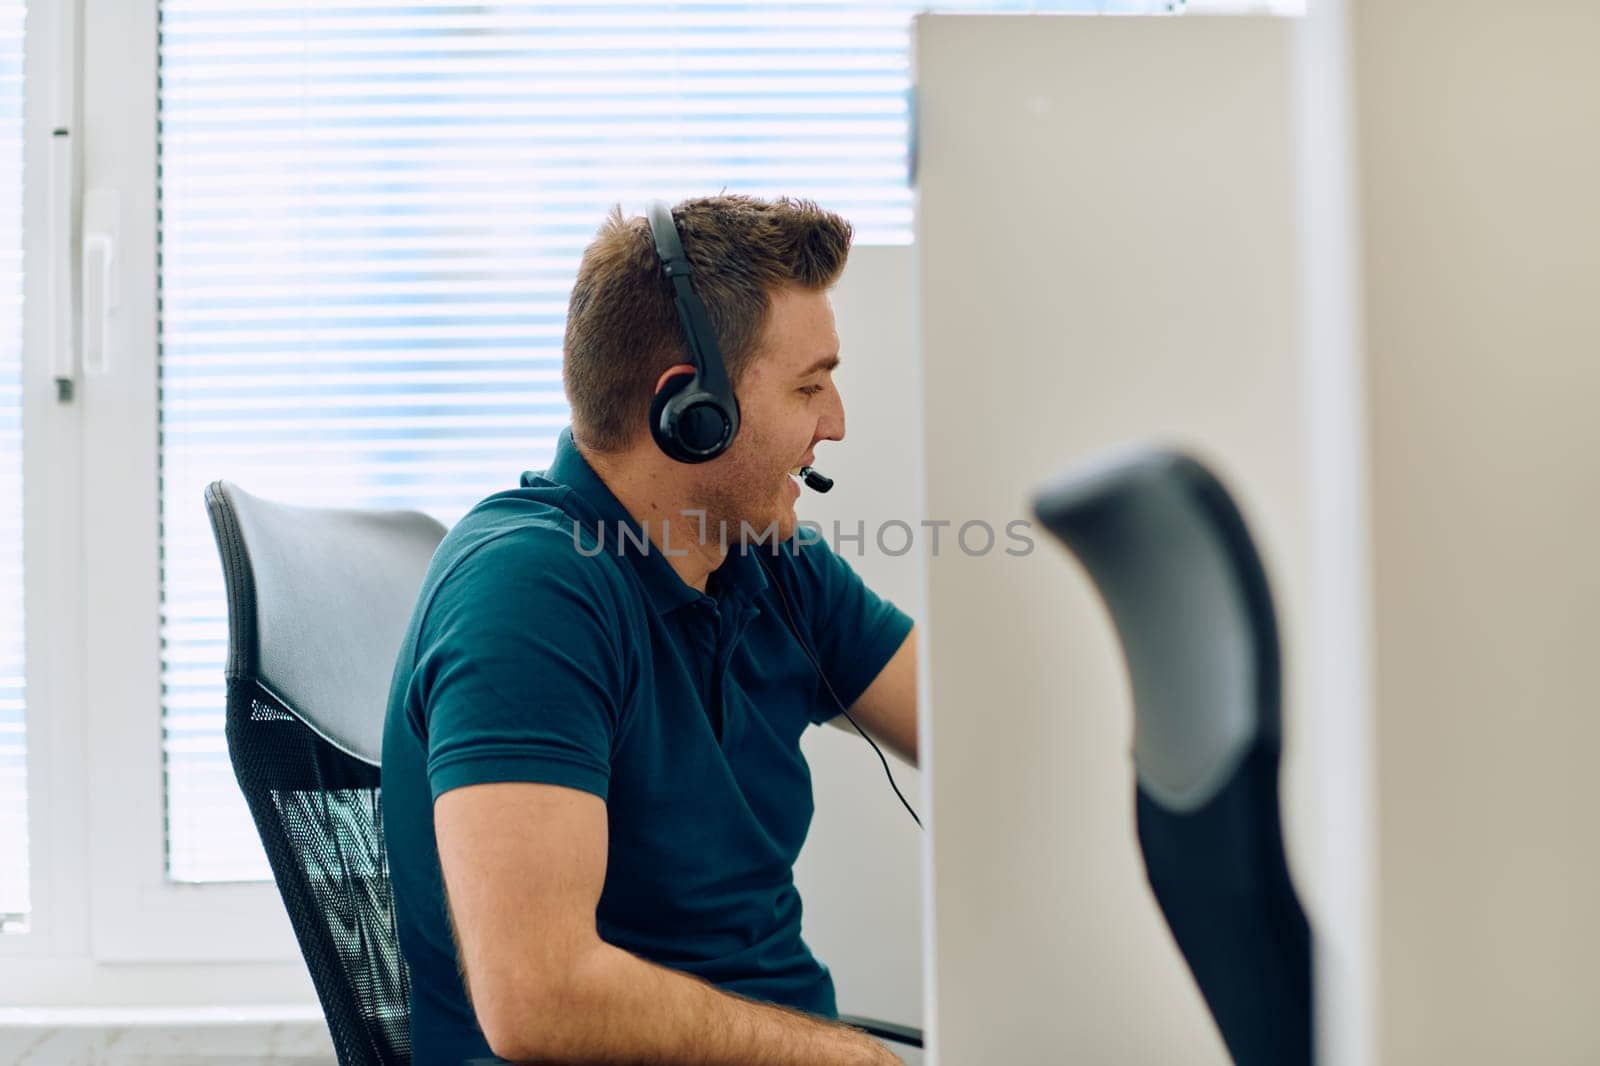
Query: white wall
<point x="860" y="872"/>
<point x="1480" y="163"/>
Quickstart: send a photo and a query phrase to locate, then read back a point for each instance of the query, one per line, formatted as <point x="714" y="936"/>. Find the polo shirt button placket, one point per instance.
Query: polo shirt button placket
<point x="731" y="622"/>
<point x="710" y="623"/>
<point x="706" y="631"/>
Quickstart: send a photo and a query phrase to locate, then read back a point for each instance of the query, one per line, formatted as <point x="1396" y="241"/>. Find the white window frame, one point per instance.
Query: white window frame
<point x="50" y="587"/>
<point x="137" y="914"/>
<point x="105" y="920"/>
<point x="101" y="902"/>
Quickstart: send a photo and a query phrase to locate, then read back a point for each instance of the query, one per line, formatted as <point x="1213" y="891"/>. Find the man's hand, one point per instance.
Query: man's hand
<point x="523" y="867"/>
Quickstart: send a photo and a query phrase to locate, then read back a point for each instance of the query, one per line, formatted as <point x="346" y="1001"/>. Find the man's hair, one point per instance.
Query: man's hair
<point x="623" y="330"/>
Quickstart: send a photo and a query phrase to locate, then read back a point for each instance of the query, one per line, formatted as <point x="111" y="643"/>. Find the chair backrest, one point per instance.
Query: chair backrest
<point x="318" y="603"/>
<point x="1174" y="562"/>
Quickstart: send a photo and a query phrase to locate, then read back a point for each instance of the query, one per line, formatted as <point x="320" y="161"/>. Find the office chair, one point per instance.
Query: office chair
<point x="1174" y="562"/>
<point x="318" y="603"/>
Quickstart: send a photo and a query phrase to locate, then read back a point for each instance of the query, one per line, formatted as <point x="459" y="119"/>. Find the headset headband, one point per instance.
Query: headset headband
<point x="695" y="419"/>
<point x="704" y="352"/>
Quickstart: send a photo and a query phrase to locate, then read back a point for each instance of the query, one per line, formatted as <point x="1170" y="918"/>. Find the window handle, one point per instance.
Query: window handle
<point x="99" y="300"/>
<point x="101" y="291"/>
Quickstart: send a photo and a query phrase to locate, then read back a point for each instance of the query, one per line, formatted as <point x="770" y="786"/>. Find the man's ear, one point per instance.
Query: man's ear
<point x="673" y="381"/>
<point x="670" y="373"/>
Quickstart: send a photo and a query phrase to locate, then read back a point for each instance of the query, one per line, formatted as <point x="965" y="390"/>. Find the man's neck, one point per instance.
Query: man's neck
<point x="651" y="495"/>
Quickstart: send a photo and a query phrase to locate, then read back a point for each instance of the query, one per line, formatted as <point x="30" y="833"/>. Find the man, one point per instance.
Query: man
<point x="593" y="788"/>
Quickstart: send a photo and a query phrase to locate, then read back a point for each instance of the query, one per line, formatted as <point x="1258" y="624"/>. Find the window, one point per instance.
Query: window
<point x="343" y="236"/>
<point x="370" y="216"/>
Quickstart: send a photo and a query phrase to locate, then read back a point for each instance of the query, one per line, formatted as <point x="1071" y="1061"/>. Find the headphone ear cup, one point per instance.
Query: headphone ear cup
<point x="703" y="426"/>
<point x="658" y="409"/>
<point x="690" y="424"/>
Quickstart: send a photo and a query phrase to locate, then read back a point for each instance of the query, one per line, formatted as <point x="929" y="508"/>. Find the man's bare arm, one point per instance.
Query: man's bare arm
<point x="523" y="867"/>
<point x="887" y="710"/>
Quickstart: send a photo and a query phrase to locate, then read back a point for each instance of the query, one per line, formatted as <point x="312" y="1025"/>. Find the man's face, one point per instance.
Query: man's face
<point x="787" y="403"/>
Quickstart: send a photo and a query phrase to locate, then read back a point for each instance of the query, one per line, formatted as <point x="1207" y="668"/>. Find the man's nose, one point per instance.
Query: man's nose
<point x="831" y="426"/>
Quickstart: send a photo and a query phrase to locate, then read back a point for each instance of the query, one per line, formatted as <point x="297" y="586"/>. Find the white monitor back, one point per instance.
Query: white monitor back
<point x="1107" y="251"/>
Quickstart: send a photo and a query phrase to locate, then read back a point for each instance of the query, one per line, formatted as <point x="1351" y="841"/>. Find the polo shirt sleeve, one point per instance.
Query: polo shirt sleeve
<point x="520" y="671"/>
<point x="854" y="631"/>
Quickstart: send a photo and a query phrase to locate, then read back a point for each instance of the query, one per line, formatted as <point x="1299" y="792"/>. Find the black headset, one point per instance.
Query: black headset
<point x="695" y="416"/>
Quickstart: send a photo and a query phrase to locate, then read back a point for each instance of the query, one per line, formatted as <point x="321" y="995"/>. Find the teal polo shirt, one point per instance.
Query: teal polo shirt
<point x="539" y="652"/>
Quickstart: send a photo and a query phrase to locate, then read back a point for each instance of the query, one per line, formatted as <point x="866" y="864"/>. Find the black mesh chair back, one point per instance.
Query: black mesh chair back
<point x="318" y="602"/>
<point x="1170" y="554"/>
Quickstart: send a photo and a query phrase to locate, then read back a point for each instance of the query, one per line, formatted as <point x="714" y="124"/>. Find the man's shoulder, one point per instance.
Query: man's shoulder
<point x="810" y="559"/>
<point x="519" y="546"/>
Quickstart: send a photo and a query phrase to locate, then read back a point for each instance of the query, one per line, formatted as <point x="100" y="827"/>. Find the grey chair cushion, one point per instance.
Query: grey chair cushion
<point x="330" y="593"/>
<point x="1148" y="526"/>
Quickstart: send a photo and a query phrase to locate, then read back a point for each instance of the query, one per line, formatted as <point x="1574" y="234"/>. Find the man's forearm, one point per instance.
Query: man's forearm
<point x="619" y="1008"/>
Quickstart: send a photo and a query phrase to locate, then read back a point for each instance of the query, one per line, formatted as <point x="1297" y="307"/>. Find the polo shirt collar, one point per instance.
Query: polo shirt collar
<point x="667" y="591"/>
<point x="742" y="573"/>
